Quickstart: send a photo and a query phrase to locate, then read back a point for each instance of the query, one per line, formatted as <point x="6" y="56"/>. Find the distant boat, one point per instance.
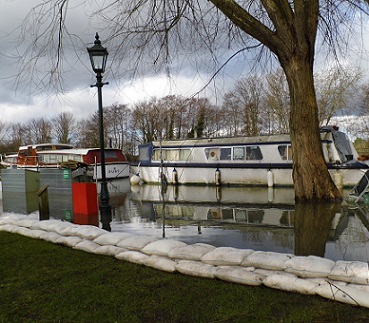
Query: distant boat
<point x="250" y="161"/>
<point x="85" y="161"/>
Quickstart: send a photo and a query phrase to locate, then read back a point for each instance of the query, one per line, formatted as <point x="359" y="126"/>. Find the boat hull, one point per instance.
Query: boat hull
<point x="236" y="175"/>
<point x="112" y="171"/>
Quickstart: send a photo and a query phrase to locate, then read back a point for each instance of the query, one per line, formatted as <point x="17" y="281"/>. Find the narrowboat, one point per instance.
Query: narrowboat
<point x="250" y="161"/>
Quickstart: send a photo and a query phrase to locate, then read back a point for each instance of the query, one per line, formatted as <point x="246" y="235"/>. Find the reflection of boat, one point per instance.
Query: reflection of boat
<point x="215" y="195"/>
<point x="247" y="205"/>
<point x="263" y="160"/>
<point x="255" y="218"/>
<point x="65" y="156"/>
<point x="261" y="215"/>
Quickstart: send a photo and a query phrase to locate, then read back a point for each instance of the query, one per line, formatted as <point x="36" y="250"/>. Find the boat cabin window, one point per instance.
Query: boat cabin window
<point x="253" y="153"/>
<point x="56" y="158"/>
<point x="285" y="151"/>
<point x="225" y="154"/>
<point x="23" y="152"/>
<point x="177" y="154"/>
<point x="110" y="154"/>
<point x="185" y="154"/>
<point x="145" y="153"/>
<point x="239" y="153"/>
<point x="247" y="153"/>
<point x="212" y="153"/>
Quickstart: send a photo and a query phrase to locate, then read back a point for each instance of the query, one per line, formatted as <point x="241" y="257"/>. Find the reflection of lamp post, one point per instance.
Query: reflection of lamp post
<point x="98" y="57"/>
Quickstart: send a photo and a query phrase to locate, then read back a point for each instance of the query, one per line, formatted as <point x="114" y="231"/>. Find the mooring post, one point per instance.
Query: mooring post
<point x="43" y="203"/>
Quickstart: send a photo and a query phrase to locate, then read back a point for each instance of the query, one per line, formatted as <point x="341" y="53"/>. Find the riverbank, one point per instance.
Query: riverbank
<point x="44" y="282"/>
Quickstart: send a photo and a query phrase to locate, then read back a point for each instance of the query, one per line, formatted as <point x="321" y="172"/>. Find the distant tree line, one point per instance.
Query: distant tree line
<point x="257" y="105"/>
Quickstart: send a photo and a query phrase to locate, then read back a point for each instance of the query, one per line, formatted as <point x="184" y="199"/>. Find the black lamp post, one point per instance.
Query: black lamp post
<point x="98" y="57"/>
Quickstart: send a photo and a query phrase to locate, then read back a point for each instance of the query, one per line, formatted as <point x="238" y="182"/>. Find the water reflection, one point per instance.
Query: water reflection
<point x="312" y="225"/>
<point x="250" y="218"/>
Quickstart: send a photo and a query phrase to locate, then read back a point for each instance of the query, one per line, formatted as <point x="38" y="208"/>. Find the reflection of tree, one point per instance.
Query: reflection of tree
<point x="312" y="226"/>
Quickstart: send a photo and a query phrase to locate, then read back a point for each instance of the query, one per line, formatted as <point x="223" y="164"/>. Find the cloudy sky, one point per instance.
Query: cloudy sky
<point x="19" y="102"/>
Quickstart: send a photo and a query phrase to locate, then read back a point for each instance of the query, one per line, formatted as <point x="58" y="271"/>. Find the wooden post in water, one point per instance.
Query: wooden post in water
<point x="43" y="203"/>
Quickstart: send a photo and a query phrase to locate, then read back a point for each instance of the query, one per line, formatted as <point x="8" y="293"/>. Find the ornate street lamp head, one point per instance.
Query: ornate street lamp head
<point x="98" y="56"/>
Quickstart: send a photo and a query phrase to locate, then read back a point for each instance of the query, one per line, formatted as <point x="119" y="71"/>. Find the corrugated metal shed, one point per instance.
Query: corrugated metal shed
<point x="20" y="180"/>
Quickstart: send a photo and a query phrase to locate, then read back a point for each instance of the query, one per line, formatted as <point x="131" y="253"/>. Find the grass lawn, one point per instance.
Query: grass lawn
<point x="43" y="282"/>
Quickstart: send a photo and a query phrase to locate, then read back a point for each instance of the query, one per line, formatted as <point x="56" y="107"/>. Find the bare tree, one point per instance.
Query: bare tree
<point x="277" y="102"/>
<point x="88" y="132"/>
<point x="156" y="30"/>
<point x="117" y="124"/>
<point x="64" y="127"/>
<point x="337" y="89"/>
<point x="39" y="130"/>
<point x="18" y="136"/>
<point x="232" y="111"/>
<point x="244" y="105"/>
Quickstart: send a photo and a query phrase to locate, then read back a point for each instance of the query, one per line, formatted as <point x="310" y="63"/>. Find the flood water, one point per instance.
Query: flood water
<point x="264" y="219"/>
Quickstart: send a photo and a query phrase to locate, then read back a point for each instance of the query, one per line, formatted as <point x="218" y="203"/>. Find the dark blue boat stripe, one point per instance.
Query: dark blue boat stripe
<point x="243" y="165"/>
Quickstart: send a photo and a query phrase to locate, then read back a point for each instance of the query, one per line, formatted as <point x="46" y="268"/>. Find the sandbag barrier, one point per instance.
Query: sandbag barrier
<point x="343" y="281"/>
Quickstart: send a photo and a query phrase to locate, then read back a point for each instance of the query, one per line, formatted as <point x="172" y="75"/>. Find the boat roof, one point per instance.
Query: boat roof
<point x="75" y="151"/>
<point x="238" y="140"/>
<point x="44" y="145"/>
<point x="225" y="141"/>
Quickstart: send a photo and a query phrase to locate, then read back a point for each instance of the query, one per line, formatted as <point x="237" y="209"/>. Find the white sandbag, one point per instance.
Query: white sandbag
<point x="50" y="236"/>
<point x="111" y="238"/>
<point x="356" y="272"/>
<point x="323" y="281"/>
<point x="267" y="260"/>
<point x="196" y="268"/>
<point x="45" y="225"/>
<point x="8" y="227"/>
<point x="191" y="252"/>
<point x="3" y="221"/>
<point x="291" y="284"/>
<point x="87" y="245"/>
<point x="267" y="272"/>
<point x="89" y="232"/>
<point x="132" y="256"/>
<point x="310" y="266"/>
<point x="35" y="234"/>
<point x="23" y="231"/>
<point x="162" y="247"/>
<point x="11" y="219"/>
<point x="69" y="241"/>
<point x="160" y="263"/>
<point x="344" y="294"/>
<point x="109" y="250"/>
<point x="364" y="288"/>
<point x="237" y="274"/>
<point x="70" y="230"/>
<point x="226" y="256"/>
<point x="27" y="223"/>
<point x="16" y="229"/>
<point x="58" y="226"/>
<point x="136" y="242"/>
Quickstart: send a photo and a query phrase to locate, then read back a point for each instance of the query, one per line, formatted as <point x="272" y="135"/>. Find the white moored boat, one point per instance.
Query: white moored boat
<point x="83" y="160"/>
<point x="261" y="161"/>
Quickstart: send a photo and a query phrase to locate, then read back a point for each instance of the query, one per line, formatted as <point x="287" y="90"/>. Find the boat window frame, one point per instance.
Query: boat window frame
<point x="175" y="154"/>
<point x="287" y="153"/>
<point x="253" y="152"/>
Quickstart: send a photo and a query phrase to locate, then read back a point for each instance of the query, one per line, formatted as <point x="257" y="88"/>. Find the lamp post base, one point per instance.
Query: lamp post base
<point x="105" y="217"/>
<point x="105" y="208"/>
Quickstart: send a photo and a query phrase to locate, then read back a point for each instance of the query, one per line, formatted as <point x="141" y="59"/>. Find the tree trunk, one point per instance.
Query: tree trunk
<point x="311" y="178"/>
